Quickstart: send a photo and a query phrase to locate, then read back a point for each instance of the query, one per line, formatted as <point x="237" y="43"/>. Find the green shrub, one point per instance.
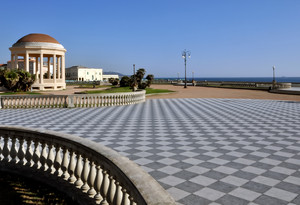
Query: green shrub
<point x="16" y="80"/>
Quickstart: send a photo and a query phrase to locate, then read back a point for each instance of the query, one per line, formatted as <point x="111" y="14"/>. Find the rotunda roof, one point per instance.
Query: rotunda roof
<point x="38" y="37"/>
<point x="38" y="40"/>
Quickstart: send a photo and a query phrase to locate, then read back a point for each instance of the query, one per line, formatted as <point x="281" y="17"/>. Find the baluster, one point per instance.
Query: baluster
<point x="13" y="151"/>
<point x="91" y="180"/>
<point x="125" y="198"/>
<point x="104" y="187"/>
<point x="71" y="167"/>
<point x="84" y="175"/>
<point x="29" y="153"/>
<point x="6" y="150"/>
<point x="57" y="162"/>
<point x="21" y="153"/>
<point x="111" y="190"/>
<point x="50" y="158"/>
<point x="131" y="201"/>
<point x="78" y="170"/>
<point x="43" y="157"/>
<point x="0" y="144"/>
<point x="118" y="194"/>
<point x="65" y="163"/>
<point x="36" y="155"/>
<point x="98" y="183"/>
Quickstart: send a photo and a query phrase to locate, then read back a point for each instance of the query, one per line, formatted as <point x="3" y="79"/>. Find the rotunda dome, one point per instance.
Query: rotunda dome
<point x="38" y="40"/>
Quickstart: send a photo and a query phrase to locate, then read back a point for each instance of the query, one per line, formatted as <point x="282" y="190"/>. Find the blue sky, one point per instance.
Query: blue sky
<point x="227" y="38"/>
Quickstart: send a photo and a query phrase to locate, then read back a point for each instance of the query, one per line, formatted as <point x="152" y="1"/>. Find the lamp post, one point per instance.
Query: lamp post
<point x="193" y="75"/>
<point x="185" y="54"/>
<point x="274" y="81"/>
<point x="134" y="83"/>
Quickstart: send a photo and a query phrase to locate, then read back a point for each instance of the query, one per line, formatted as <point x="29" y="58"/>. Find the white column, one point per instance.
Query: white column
<point x="26" y="61"/>
<point x="16" y="62"/>
<point x="12" y="61"/>
<point x="41" y="69"/>
<point x="49" y="67"/>
<point x="36" y="68"/>
<point x="58" y="67"/>
<point x="63" y="69"/>
<point x="54" y="69"/>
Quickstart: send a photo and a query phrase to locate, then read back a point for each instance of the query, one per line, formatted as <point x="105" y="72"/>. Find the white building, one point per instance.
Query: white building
<point x="81" y="73"/>
<point x="42" y="55"/>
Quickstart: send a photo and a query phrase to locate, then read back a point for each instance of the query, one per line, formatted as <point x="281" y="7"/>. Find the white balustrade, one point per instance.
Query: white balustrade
<point x="100" y="174"/>
<point x="77" y="100"/>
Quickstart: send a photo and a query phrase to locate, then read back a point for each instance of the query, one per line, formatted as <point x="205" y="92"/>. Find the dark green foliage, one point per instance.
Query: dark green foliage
<point x="114" y="81"/>
<point x="137" y="80"/>
<point x="16" y="80"/>
<point x="150" y="79"/>
<point x="139" y="76"/>
<point x="125" y="81"/>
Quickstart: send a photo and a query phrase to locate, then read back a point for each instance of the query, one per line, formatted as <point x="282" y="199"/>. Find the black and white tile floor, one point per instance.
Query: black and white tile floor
<point x="202" y="151"/>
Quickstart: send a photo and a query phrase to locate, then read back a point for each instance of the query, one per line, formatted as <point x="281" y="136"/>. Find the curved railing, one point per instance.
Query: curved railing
<point x="73" y="164"/>
<point x="77" y="100"/>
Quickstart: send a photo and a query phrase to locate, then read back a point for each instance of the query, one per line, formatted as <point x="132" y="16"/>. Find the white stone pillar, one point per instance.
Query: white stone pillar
<point x="12" y="61"/>
<point x="41" y="69"/>
<point x="58" y="67"/>
<point x="54" y="70"/>
<point x="26" y="61"/>
<point x="37" y="68"/>
<point x="63" y="68"/>
<point x="16" y="62"/>
<point x="49" y="67"/>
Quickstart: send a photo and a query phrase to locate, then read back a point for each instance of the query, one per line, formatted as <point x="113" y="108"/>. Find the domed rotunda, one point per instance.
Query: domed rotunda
<point x="42" y="55"/>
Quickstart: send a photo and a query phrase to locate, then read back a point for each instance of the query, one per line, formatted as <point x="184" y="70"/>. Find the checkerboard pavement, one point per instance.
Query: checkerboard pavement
<point x="202" y="151"/>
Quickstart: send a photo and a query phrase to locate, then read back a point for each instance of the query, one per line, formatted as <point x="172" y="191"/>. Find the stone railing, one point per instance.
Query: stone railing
<point x="244" y="84"/>
<point x="77" y="100"/>
<point x="88" y="172"/>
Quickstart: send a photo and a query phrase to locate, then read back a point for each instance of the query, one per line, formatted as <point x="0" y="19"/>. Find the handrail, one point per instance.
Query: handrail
<point x="98" y="171"/>
<point x="69" y="101"/>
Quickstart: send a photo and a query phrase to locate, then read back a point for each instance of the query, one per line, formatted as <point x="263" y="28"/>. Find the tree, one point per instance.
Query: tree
<point x="25" y="80"/>
<point x="125" y="81"/>
<point x="136" y="80"/>
<point x="16" y="80"/>
<point x="150" y="79"/>
<point x="113" y="81"/>
<point x="140" y="75"/>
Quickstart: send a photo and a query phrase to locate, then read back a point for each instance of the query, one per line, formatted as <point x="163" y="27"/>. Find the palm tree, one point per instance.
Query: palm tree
<point x="150" y="79"/>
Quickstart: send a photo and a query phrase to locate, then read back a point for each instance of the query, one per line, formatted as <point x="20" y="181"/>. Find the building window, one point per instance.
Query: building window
<point x="87" y="73"/>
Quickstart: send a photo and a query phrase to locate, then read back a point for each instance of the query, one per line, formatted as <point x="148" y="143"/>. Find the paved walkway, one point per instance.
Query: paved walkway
<point x="203" y="151"/>
<point x="209" y="92"/>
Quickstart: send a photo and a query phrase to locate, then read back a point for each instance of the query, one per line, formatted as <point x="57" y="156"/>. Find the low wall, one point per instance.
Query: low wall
<point x="88" y="172"/>
<point x="245" y="84"/>
<point x="70" y="101"/>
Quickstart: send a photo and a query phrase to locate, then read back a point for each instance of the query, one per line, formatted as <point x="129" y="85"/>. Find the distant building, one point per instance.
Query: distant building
<point x="81" y="73"/>
<point x="3" y="66"/>
<point x="106" y="77"/>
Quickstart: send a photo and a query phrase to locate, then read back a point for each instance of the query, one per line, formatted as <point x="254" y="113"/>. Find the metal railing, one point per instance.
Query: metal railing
<point x="76" y="100"/>
<point x="100" y="174"/>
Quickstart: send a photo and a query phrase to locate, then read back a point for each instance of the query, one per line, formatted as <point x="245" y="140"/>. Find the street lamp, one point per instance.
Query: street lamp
<point x="274" y="81"/>
<point x="193" y="76"/>
<point x="134" y="81"/>
<point x="185" y="54"/>
<point x="273" y="73"/>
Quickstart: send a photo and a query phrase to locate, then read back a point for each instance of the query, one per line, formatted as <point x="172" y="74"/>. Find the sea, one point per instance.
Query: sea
<point x="241" y="79"/>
